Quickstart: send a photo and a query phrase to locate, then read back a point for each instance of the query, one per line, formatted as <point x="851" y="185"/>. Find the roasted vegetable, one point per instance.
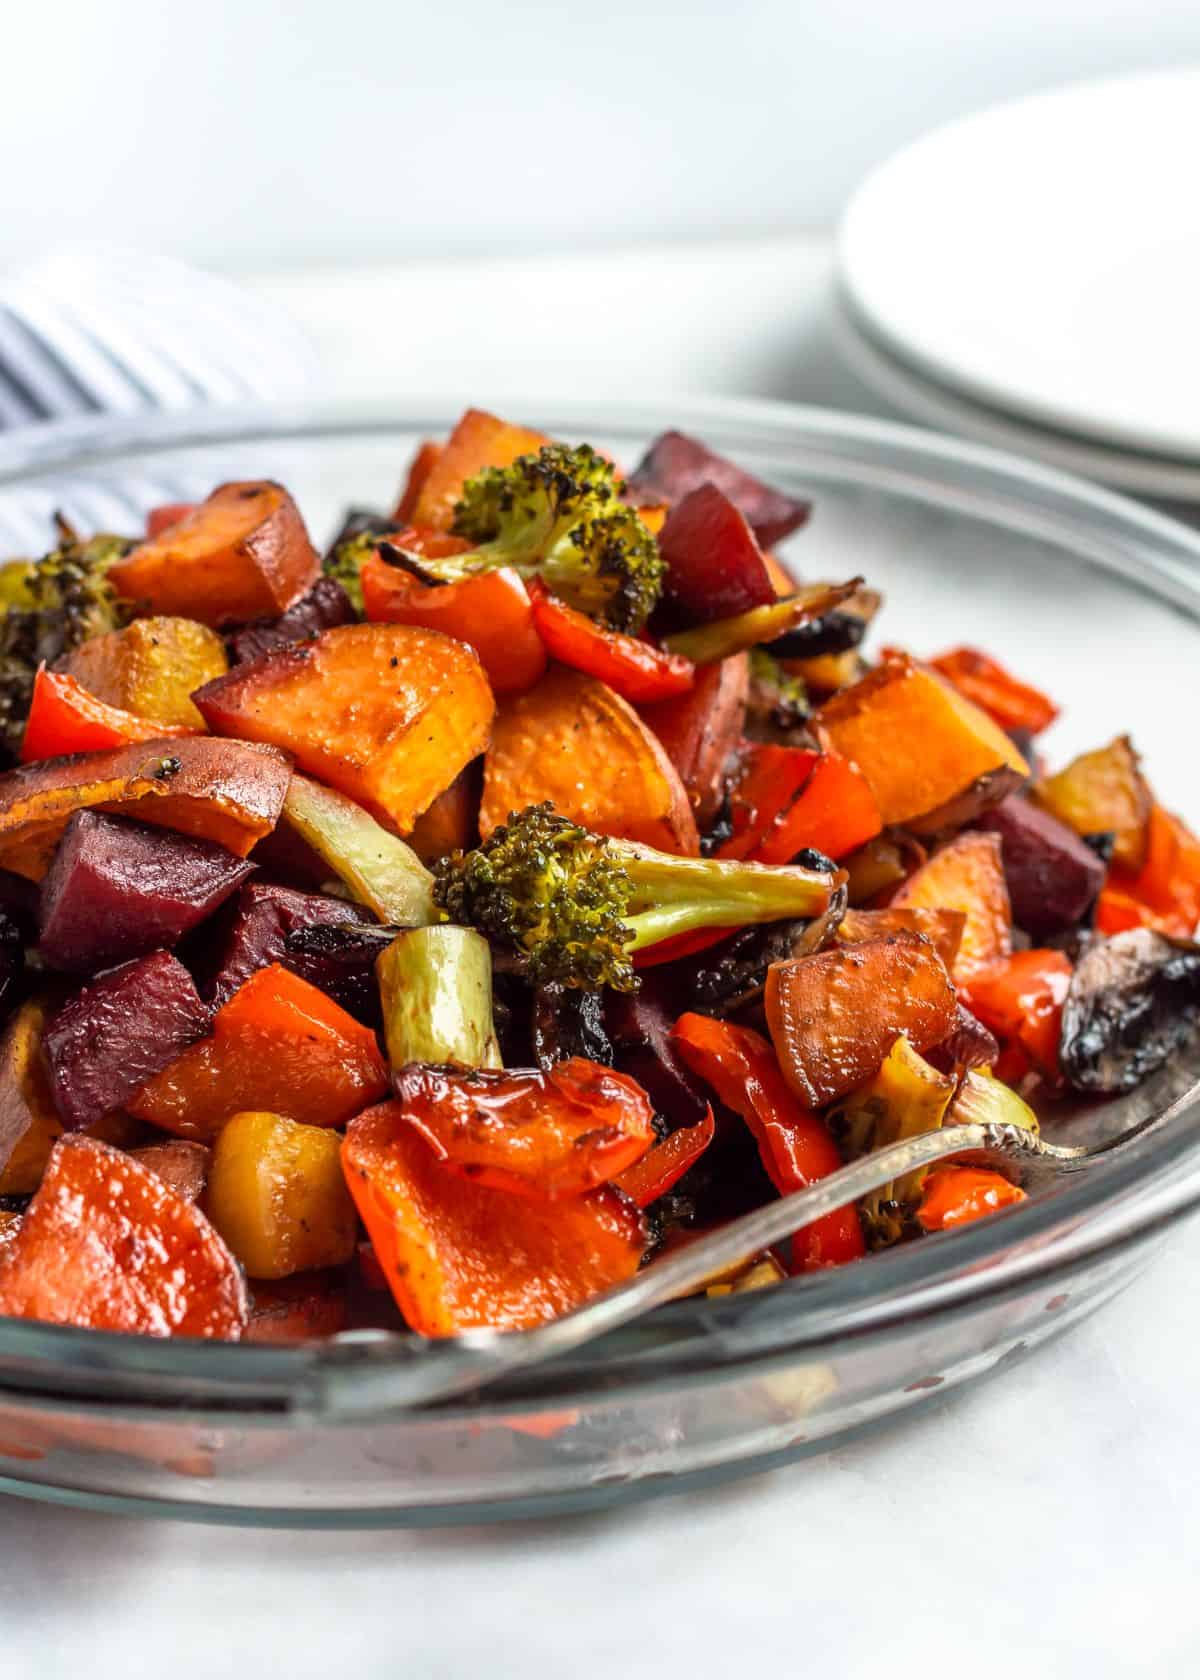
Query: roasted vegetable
<point x="261" y="931"/>
<point x="662" y="1167"/>
<point x="458" y="1255"/>
<point x="307" y="1307"/>
<point x="277" y="1195"/>
<point x="700" y="728"/>
<point x="833" y="635"/>
<point x="242" y="554"/>
<point x="957" y="1195"/>
<point x="723" y="637"/>
<point x="436" y="988"/>
<point x="279" y="1045"/>
<point x="419" y="469"/>
<point x="179" y="1163"/>
<point x="115" y="1033"/>
<point x="1021" y="999"/>
<point x="558" y="1132"/>
<point x="479" y="441"/>
<point x="387" y="714"/>
<point x="574" y="905"/>
<point x="451" y="823"/>
<point x="375" y="867"/>
<point x="715" y="568"/>
<point x="566" y="1021"/>
<point x="984" y="1100"/>
<point x="634" y="669"/>
<point x="575" y="743"/>
<point x="966" y="875"/>
<point x="1053" y="877"/>
<point x="942" y="928"/>
<point x="795" y="1144"/>
<point x="834" y="1017"/>
<point x="638" y="1025"/>
<point x="1165" y="892"/>
<point x="64" y="718"/>
<point x="230" y="792"/>
<point x="675" y="465"/>
<point x="150" y="668"/>
<point x="834" y="812"/>
<point x="1010" y="703"/>
<point x="968" y="1044"/>
<point x="325" y="606"/>
<point x="1132" y="1002"/>
<point x="119" y="889"/>
<point x="106" y="1244"/>
<point x="29" y="1122"/>
<point x="932" y="759"/>
<point x="1103" y="792"/>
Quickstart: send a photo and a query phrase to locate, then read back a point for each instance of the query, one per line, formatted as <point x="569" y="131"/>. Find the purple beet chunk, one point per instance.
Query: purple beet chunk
<point x="968" y="1044"/>
<point x="265" y="917"/>
<point x="675" y="465"/>
<point x="639" y="1026"/>
<point x="1053" y="876"/>
<point x="325" y="606"/>
<point x="117" y="1032"/>
<point x="119" y="889"/>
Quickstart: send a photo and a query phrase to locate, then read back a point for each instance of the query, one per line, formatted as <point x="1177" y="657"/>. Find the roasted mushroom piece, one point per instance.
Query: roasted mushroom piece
<point x="1134" y="1000"/>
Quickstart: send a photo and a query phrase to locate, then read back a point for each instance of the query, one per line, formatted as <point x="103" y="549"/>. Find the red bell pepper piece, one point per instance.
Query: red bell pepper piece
<point x="1021" y="1000"/>
<point x="161" y="519"/>
<point x="637" y="670"/>
<point x="795" y="1144"/>
<point x="834" y="813"/>
<point x="769" y="780"/>
<point x="1165" y="893"/>
<point x="956" y="1195"/>
<point x="1010" y="703"/>
<point x="65" y="718"/>
<point x="491" y="612"/>
<point x="661" y="1169"/>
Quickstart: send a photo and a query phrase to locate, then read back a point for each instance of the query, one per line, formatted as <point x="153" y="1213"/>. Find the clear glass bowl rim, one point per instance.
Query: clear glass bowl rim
<point x="1153" y="1183"/>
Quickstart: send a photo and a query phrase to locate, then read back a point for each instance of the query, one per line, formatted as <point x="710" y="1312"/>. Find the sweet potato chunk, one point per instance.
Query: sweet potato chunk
<point x="479" y="440"/>
<point x="942" y="928"/>
<point x="279" y="1045"/>
<point x="242" y="554"/>
<point x="571" y="740"/>
<point x="459" y="1256"/>
<point x="106" y="1244"/>
<point x="966" y="875"/>
<point x="277" y="1195"/>
<point x="150" y="668"/>
<point x="834" y="1017"/>
<point x="227" y="791"/>
<point x="385" y="712"/>
<point x="1103" y="792"/>
<point x="932" y="759"/>
<point x="699" y="729"/>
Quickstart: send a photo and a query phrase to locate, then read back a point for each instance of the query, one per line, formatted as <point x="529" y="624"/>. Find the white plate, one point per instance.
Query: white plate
<point x="1044" y="257"/>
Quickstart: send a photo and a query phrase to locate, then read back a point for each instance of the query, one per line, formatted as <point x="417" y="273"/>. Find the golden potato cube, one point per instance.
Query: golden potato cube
<point x="277" y="1195"/>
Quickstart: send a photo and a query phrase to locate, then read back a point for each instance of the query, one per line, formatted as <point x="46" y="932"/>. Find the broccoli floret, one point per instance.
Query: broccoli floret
<point x="355" y="542"/>
<point x="558" y="515"/>
<point x="62" y="601"/>
<point x="574" y="906"/>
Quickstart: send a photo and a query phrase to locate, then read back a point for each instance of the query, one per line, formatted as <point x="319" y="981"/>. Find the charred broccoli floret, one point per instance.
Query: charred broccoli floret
<point x="558" y="515"/>
<point x="355" y="542"/>
<point x="48" y="611"/>
<point x="574" y="906"/>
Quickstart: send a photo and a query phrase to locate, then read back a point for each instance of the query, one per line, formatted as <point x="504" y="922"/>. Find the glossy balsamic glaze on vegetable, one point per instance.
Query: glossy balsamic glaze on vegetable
<point x="436" y="933"/>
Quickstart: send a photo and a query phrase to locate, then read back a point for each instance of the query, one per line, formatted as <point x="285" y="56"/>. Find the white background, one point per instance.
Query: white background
<point x="273" y="133"/>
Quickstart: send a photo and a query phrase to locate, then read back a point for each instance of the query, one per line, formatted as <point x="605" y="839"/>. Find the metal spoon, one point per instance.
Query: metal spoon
<point x="440" y="1369"/>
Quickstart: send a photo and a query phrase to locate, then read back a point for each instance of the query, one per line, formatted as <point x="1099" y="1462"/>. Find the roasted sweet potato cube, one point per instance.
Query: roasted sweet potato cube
<point x="571" y="740"/>
<point x="242" y="554"/>
<point x="106" y="1244"/>
<point x="942" y="928"/>
<point x="932" y="759"/>
<point x="699" y="729"/>
<point x="479" y="440"/>
<point x="966" y="874"/>
<point x="150" y="668"/>
<point x="834" y="1017"/>
<point x="228" y="791"/>
<point x="277" y="1195"/>
<point x="1103" y="792"/>
<point x="387" y="713"/>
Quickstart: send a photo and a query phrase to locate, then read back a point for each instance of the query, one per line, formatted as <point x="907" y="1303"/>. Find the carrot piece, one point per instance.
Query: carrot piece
<point x="1021" y="1001"/>
<point x="663" y="1166"/>
<point x="150" y="668"/>
<point x="106" y="1244"/>
<point x="967" y="874"/>
<point x="637" y="670"/>
<point x="228" y="791"/>
<point x="796" y="1146"/>
<point x="932" y="759"/>
<point x="770" y="778"/>
<point x="460" y="1256"/>
<point x="491" y="613"/>
<point x="1010" y="703"/>
<point x="956" y="1195"/>
<point x="942" y="928"/>
<point x="479" y="440"/>
<point x="560" y="1132"/>
<point x="699" y="729"/>
<point x="386" y="713"/>
<point x="419" y="469"/>
<point x="571" y="740"/>
<point x="65" y="718"/>
<point x="242" y="554"/>
<point x="1104" y="792"/>
<point x="279" y="1045"/>
<point x="1165" y="892"/>
<point x="834" y="1017"/>
<point x="835" y="813"/>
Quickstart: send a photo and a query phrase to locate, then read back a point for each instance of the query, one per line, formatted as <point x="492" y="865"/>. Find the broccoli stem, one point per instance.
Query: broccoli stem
<point x="436" y="987"/>
<point x="674" y="895"/>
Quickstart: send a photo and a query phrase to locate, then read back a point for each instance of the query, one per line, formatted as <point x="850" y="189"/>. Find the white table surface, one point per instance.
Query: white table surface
<point x="1044" y="1523"/>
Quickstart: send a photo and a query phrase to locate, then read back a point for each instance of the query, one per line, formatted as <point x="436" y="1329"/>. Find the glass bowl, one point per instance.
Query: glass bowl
<point x="1087" y="595"/>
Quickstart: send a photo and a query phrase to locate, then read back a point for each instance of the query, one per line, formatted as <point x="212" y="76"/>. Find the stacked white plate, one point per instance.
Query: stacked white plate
<point x="1030" y="276"/>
